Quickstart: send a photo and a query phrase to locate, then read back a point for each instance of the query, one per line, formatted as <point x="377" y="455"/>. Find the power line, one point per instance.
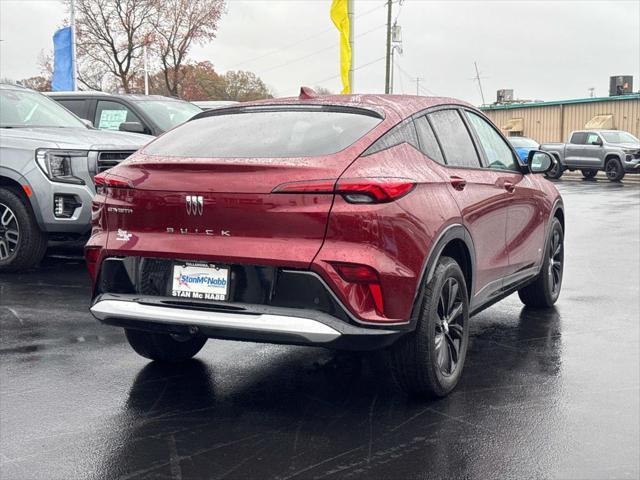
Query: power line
<point x="298" y="42"/>
<point x="330" y="47"/>
<point x="420" y="88"/>
<point x="355" y="69"/>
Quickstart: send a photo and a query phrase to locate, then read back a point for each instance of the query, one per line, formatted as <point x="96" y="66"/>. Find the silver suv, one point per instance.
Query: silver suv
<point x="48" y="158"/>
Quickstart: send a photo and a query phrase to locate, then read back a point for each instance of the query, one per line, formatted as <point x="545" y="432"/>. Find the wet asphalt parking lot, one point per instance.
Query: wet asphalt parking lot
<point x="545" y="394"/>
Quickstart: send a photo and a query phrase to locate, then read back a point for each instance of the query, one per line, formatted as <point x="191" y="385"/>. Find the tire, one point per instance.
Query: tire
<point x="614" y="170"/>
<point x="22" y="244"/>
<point x="419" y="363"/>
<point x="545" y="290"/>
<point x="556" y="172"/>
<point x="589" y="173"/>
<point x="164" y="347"/>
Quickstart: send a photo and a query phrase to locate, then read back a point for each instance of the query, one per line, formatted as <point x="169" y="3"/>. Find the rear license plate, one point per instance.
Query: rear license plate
<point x="201" y="281"/>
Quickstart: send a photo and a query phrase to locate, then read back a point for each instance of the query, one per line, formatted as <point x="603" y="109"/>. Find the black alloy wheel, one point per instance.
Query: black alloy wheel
<point x="429" y="361"/>
<point x="556" y="171"/>
<point x="556" y="259"/>
<point x="614" y="170"/>
<point x="544" y="291"/>
<point x="449" y="327"/>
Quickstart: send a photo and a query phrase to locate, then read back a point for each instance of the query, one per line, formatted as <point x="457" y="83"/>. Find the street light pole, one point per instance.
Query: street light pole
<point x="146" y="68"/>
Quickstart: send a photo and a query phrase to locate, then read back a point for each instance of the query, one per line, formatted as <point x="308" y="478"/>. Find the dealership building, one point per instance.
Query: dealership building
<point x="553" y="121"/>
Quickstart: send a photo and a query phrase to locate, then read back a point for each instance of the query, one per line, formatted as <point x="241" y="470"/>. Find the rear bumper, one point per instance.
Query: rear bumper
<point x="256" y="323"/>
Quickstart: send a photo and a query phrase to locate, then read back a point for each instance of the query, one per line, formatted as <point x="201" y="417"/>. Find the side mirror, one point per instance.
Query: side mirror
<point x="540" y="162"/>
<point x="132" y="127"/>
<point x="88" y="123"/>
<point x="597" y="142"/>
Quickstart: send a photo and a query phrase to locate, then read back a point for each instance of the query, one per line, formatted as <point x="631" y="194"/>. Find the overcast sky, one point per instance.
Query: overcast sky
<point x="546" y="50"/>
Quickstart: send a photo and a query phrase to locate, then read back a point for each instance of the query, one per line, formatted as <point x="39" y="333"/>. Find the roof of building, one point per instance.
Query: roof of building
<point x="631" y="96"/>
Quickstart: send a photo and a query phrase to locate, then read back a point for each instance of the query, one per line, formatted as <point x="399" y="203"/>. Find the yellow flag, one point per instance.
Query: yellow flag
<point x="340" y="18"/>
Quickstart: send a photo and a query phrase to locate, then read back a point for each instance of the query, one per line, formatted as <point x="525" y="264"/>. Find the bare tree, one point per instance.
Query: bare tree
<point x="38" y="83"/>
<point x="177" y="25"/>
<point x="110" y="36"/>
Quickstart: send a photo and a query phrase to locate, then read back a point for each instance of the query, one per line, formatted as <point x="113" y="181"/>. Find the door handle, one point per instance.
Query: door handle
<point x="509" y="187"/>
<point x="458" y="183"/>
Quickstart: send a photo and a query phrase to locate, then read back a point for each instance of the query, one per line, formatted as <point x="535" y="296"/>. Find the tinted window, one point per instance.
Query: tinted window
<point x="456" y="143"/>
<point x="265" y="132"/>
<point x="428" y="143"/>
<point x="497" y="152"/>
<point x="579" y="138"/>
<point x="405" y="132"/>
<point x="75" y="106"/>
<point x="109" y="115"/>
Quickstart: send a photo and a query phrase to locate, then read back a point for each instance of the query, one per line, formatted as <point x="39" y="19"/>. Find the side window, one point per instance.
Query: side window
<point x="579" y="138"/>
<point x="404" y="132"/>
<point x="496" y="151"/>
<point x="457" y="146"/>
<point x="109" y="115"/>
<point x="75" y="106"/>
<point x="592" y="139"/>
<point x="428" y="143"/>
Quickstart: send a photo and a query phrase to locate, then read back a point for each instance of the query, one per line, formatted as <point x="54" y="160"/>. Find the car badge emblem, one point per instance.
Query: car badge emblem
<point x="195" y="205"/>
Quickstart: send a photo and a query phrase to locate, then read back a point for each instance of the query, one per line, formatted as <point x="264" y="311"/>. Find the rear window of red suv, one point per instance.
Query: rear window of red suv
<point x="266" y="132"/>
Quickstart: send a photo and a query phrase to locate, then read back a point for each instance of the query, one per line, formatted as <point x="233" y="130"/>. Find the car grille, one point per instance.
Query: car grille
<point x="107" y="160"/>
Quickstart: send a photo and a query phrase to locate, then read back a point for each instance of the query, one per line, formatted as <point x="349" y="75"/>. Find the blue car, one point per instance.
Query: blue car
<point x="523" y="146"/>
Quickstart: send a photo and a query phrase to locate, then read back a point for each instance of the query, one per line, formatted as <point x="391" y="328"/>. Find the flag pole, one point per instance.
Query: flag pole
<point x="74" y="66"/>
<point x="351" y="45"/>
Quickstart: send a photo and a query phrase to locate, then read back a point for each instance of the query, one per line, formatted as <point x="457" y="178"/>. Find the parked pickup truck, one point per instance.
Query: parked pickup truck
<point x="614" y="151"/>
<point x="48" y="158"/>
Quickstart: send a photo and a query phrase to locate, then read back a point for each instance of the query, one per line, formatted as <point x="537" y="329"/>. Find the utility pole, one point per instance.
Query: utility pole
<point x="146" y="68"/>
<point x="418" y="85"/>
<point x="591" y="90"/>
<point x="351" y="44"/>
<point x="74" y="65"/>
<point x="479" y="82"/>
<point x="387" y="77"/>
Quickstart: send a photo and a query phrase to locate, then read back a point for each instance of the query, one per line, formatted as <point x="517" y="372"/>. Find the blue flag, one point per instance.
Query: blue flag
<point x="62" y="61"/>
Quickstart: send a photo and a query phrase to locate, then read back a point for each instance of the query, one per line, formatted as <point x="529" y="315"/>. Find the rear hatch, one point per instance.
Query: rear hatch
<point x="206" y="189"/>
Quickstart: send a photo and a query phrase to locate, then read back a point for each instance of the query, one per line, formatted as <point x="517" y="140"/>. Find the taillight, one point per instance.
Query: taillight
<point x="106" y="180"/>
<point x="363" y="275"/>
<point x="354" y="190"/>
<point x="311" y="186"/>
<point x="374" y="190"/>
<point x="92" y="255"/>
<point x="355" y="273"/>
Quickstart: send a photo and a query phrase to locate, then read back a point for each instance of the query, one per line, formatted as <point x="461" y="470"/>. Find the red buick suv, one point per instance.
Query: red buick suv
<point x="349" y="222"/>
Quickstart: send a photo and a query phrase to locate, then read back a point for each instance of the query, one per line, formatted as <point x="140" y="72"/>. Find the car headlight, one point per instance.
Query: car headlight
<point x="56" y="164"/>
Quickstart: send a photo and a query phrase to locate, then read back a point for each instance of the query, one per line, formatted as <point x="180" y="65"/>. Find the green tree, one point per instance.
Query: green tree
<point x="244" y="86"/>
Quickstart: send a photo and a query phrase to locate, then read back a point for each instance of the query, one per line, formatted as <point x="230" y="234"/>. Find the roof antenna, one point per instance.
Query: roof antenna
<point x="306" y="93"/>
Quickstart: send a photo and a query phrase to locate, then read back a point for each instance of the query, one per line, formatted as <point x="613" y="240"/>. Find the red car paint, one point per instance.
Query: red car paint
<point x="254" y="214"/>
